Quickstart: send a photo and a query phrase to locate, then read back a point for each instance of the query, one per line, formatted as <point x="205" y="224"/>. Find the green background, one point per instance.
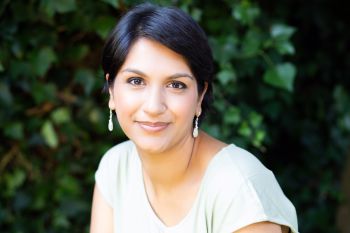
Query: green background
<point x="281" y="91"/>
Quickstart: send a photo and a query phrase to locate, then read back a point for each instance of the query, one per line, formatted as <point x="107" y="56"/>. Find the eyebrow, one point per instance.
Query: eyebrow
<point x="173" y="76"/>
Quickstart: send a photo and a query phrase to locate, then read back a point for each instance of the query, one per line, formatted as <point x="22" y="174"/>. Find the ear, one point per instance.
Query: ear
<point x="200" y="100"/>
<point x="111" y="103"/>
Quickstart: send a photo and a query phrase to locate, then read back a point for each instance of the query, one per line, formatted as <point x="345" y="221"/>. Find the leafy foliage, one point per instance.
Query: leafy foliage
<point x="270" y="97"/>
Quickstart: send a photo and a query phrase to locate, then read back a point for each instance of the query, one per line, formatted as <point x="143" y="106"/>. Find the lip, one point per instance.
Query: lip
<point x="152" y="126"/>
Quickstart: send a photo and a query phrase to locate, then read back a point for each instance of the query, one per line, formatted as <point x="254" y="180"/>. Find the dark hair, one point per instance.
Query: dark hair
<point x="172" y="28"/>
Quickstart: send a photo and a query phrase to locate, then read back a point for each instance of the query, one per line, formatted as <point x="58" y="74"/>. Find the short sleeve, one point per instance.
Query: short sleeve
<point x="259" y="198"/>
<point x="105" y="176"/>
<point x="114" y="170"/>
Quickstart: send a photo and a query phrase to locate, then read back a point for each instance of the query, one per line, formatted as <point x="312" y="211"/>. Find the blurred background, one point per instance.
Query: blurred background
<point x="282" y="91"/>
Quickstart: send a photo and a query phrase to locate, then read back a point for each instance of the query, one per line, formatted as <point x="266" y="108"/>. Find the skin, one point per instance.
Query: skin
<point x="156" y="99"/>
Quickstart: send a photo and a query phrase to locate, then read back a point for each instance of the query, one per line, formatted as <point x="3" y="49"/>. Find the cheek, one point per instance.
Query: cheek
<point x="125" y="101"/>
<point x="184" y="107"/>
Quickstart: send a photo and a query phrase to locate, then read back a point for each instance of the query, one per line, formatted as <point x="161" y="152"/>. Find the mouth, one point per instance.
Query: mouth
<point x="152" y="127"/>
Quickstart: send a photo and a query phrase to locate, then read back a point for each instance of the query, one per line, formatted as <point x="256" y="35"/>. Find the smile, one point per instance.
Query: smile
<point x="152" y="126"/>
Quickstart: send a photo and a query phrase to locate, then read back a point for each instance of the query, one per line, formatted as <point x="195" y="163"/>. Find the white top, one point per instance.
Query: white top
<point x="236" y="190"/>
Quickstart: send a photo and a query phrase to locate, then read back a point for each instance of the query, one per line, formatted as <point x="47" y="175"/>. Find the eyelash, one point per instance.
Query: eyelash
<point x="136" y="81"/>
<point x="176" y="84"/>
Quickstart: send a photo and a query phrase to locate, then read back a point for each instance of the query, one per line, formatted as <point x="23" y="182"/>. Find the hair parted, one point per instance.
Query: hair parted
<point x="170" y="27"/>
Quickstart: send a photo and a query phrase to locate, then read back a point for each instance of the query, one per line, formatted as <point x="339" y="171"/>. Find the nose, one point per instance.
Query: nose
<point x="154" y="102"/>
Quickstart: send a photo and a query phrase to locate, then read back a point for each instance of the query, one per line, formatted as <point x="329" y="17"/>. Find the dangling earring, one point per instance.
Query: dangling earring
<point x="110" y="121"/>
<point x="195" y="129"/>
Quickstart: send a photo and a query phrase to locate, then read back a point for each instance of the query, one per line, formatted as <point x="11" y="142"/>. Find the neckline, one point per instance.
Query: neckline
<point x="149" y="208"/>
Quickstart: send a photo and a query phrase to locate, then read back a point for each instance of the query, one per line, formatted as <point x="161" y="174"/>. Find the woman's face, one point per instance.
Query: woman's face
<point x="155" y="97"/>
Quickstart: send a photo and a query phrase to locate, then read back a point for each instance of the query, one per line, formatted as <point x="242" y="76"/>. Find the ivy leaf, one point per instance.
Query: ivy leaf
<point x="251" y="43"/>
<point x="77" y="52"/>
<point x="43" y="92"/>
<point x="1" y="67"/>
<point x="225" y="76"/>
<point x="5" y="94"/>
<point x="14" y="130"/>
<point x="232" y="115"/>
<point x="281" y="76"/>
<point x="64" y="6"/>
<point x="196" y="14"/>
<point x="43" y="60"/>
<point x="50" y="7"/>
<point x="259" y="138"/>
<point x="285" y="47"/>
<point x="245" y="12"/>
<point x="255" y="119"/>
<point x="61" y="115"/>
<point x="86" y="79"/>
<point x="14" y="181"/>
<point x="49" y="134"/>
<point x="103" y="25"/>
<point x="281" y="31"/>
<point x="245" y="130"/>
<point x="224" y="48"/>
<point x="113" y="3"/>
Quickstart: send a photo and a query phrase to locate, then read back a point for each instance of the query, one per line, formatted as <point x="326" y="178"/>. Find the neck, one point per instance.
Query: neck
<point x="166" y="171"/>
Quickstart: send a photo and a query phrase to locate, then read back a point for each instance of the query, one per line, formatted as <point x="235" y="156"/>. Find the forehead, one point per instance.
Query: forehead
<point x="151" y="56"/>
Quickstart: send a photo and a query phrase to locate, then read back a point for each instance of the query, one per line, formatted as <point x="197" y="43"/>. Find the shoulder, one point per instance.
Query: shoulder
<point x="114" y="168"/>
<point x="242" y="188"/>
<point x="118" y="153"/>
<point x="235" y="173"/>
<point x="236" y="166"/>
<point x="120" y="149"/>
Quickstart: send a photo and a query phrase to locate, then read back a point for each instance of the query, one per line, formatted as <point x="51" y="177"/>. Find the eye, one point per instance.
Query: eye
<point x="136" y="81"/>
<point x="177" y="85"/>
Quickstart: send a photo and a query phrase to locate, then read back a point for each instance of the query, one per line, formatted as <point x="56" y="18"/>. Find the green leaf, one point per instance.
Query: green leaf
<point x="14" y="181"/>
<point x="225" y="76"/>
<point x="61" y="115"/>
<point x="285" y="47"/>
<point x="232" y="115"/>
<point x="245" y="12"/>
<point x="68" y="185"/>
<point x="245" y="130"/>
<point x="77" y="52"/>
<point x="60" y="220"/>
<point x="86" y="79"/>
<point x="114" y="3"/>
<point x="196" y="14"/>
<point x="17" y="50"/>
<point x="281" y="76"/>
<point x="213" y="130"/>
<point x="2" y="68"/>
<point x="49" y="134"/>
<point x="95" y="116"/>
<point x="281" y="31"/>
<point x="255" y="119"/>
<point x="14" y="130"/>
<point x="5" y="94"/>
<point x="64" y="6"/>
<point x="48" y="6"/>
<point x="259" y="138"/>
<point x="20" y="68"/>
<point x="43" y="60"/>
<point x="251" y="43"/>
<point x="43" y="92"/>
<point x="224" y="49"/>
<point x="103" y="25"/>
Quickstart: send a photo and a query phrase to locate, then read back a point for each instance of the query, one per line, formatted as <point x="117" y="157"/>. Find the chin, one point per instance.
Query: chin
<point x="151" y="146"/>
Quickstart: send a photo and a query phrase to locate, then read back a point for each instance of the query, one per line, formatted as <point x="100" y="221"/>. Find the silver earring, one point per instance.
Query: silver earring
<point x="195" y="129"/>
<point x="110" y="121"/>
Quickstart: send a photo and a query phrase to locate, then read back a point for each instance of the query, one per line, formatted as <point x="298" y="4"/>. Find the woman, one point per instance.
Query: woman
<point x="170" y="176"/>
